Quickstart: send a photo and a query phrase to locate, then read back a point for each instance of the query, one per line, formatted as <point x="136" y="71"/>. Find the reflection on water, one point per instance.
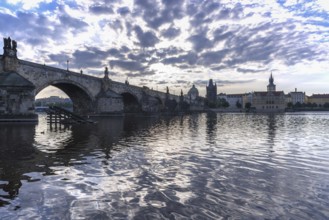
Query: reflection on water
<point x="203" y="166"/>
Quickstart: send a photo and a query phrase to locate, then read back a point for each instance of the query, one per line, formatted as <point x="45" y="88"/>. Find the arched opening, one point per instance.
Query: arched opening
<point x="158" y="106"/>
<point x="81" y="101"/>
<point x="171" y="105"/>
<point x="50" y="96"/>
<point x="131" y="104"/>
<point x="159" y="101"/>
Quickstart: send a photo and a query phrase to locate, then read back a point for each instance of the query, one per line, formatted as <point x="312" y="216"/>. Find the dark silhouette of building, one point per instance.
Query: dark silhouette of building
<point x="211" y="92"/>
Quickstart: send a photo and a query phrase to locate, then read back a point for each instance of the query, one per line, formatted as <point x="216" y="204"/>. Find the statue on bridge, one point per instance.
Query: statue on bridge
<point x="9" y="47"/>
<point x="9" y="44"/>
<point x="106" y="72"/>
<point x="14" y="45"/>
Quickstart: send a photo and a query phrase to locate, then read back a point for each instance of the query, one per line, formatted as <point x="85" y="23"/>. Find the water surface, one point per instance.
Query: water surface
<point x="203" y="166"/>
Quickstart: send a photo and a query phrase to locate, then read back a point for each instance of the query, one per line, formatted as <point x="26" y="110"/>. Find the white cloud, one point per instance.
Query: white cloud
<point x="28" y="4"/>
<point x="7" y="11"/>
<point x="323" y="4"/>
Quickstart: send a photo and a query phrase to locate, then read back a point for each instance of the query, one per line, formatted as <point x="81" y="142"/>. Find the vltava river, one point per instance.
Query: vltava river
<point x="203" y="166"/>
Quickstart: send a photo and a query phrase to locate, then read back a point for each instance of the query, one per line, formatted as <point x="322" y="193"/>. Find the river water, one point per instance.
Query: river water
<point x="202" y="166"/>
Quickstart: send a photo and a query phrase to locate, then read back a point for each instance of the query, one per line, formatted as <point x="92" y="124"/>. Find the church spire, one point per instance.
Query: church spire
<point x="271" y="80"/>
<point x="271" y="85"/>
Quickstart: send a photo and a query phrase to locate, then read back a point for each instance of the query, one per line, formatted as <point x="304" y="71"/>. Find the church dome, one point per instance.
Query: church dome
<point x="193" y="92"/>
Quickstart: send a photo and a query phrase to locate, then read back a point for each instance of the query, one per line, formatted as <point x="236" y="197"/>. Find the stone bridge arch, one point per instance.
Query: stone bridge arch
<point x="131" y="103"/>
<point x="82" y="98"/>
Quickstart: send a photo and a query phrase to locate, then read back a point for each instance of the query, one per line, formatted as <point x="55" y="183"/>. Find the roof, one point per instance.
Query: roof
<point x="235" y="95"/>
<point x="297" y="93"/>
<point x="193" y="90"/>
<point x="277" y="93"/>
<point x="13" y="79"/>
<point x="319" y="96"/>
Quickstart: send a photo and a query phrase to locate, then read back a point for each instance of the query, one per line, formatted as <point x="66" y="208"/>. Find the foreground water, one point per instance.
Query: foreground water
<point x="206" y="166"/>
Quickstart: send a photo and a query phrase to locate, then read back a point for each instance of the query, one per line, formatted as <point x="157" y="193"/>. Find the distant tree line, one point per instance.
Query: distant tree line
<point x="219" y="103"/>
<point x="222" y="103"/>
<point x="308" y="105"/>
<point x="58" y="104"/>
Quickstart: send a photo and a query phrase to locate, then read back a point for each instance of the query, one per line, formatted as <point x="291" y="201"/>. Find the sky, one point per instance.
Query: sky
<point x="178" y="43"/>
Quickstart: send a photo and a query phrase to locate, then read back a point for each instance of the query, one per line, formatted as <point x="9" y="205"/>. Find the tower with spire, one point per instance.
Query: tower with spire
<point x="271" y="85"/>
<point x="211" y="91"/>
<point x="270" y="100"/>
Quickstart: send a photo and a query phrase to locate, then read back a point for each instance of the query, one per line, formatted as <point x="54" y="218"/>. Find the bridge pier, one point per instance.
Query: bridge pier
<point x="16" y="93"/>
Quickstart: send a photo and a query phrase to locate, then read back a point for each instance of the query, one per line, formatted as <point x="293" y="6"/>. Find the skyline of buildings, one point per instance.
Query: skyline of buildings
<point x="264" y="101"/>
<point x="202" y="90"/>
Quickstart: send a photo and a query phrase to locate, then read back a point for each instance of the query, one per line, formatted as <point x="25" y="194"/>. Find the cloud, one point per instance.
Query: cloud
<point x="223" y="33"/>
<point x="94" y="57"/>
<point x="156" y="14"/>
<point x="171" y="33"/>
<point x="222" y="82"/>
<point x="127" y="65"/>
<point x="162" y="82"/>
<point x="146" y="39"/>
<point x="219" y="67"/>
<point x="164" y="52"/>
<point x="83" y="59"/>
<point x="141" y="74"/>
<point x="200" y="42"/>
<point x="212" y="57"/>
<point x="74" y="23"/>
<point x="100" y="9"/>
<point x="123" y="11"/>
<point x="245" y="70"/>
<point x="27" y="4"/>
<point x="57" y="58"/>
<point x="189" y="58"/>
<point x="182" y="82"/>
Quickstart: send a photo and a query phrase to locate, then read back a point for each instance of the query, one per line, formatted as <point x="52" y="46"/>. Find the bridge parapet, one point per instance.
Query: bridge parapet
<point x="42" y="76"/>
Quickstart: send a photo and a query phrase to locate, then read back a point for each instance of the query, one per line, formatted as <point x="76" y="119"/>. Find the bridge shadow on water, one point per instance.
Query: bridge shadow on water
<point x="30" y="148"/>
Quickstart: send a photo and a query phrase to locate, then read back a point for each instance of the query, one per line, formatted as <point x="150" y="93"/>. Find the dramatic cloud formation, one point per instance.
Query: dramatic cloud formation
<point x="178" y="43"/>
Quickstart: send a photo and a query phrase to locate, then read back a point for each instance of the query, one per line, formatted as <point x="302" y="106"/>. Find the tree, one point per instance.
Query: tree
<point x="309" y="105"/>
<point x="247" y="105"/>
<point x="222" y="103"/>
<point x="326" y="105"/>
<point x="210" y="104"/>
<point x="289" y="105"/>
<point x="238" y="104"/>
<point x="298" y="105"/>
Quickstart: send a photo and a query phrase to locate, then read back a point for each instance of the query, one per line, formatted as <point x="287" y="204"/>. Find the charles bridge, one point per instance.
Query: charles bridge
<point x="21" y="80"/>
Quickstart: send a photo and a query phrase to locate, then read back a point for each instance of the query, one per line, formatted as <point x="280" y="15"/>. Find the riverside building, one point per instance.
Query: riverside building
<point x="270" y="100"/>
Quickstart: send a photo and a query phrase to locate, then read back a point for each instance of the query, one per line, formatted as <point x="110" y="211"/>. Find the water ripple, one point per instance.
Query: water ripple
<point x="204" y="166"/>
